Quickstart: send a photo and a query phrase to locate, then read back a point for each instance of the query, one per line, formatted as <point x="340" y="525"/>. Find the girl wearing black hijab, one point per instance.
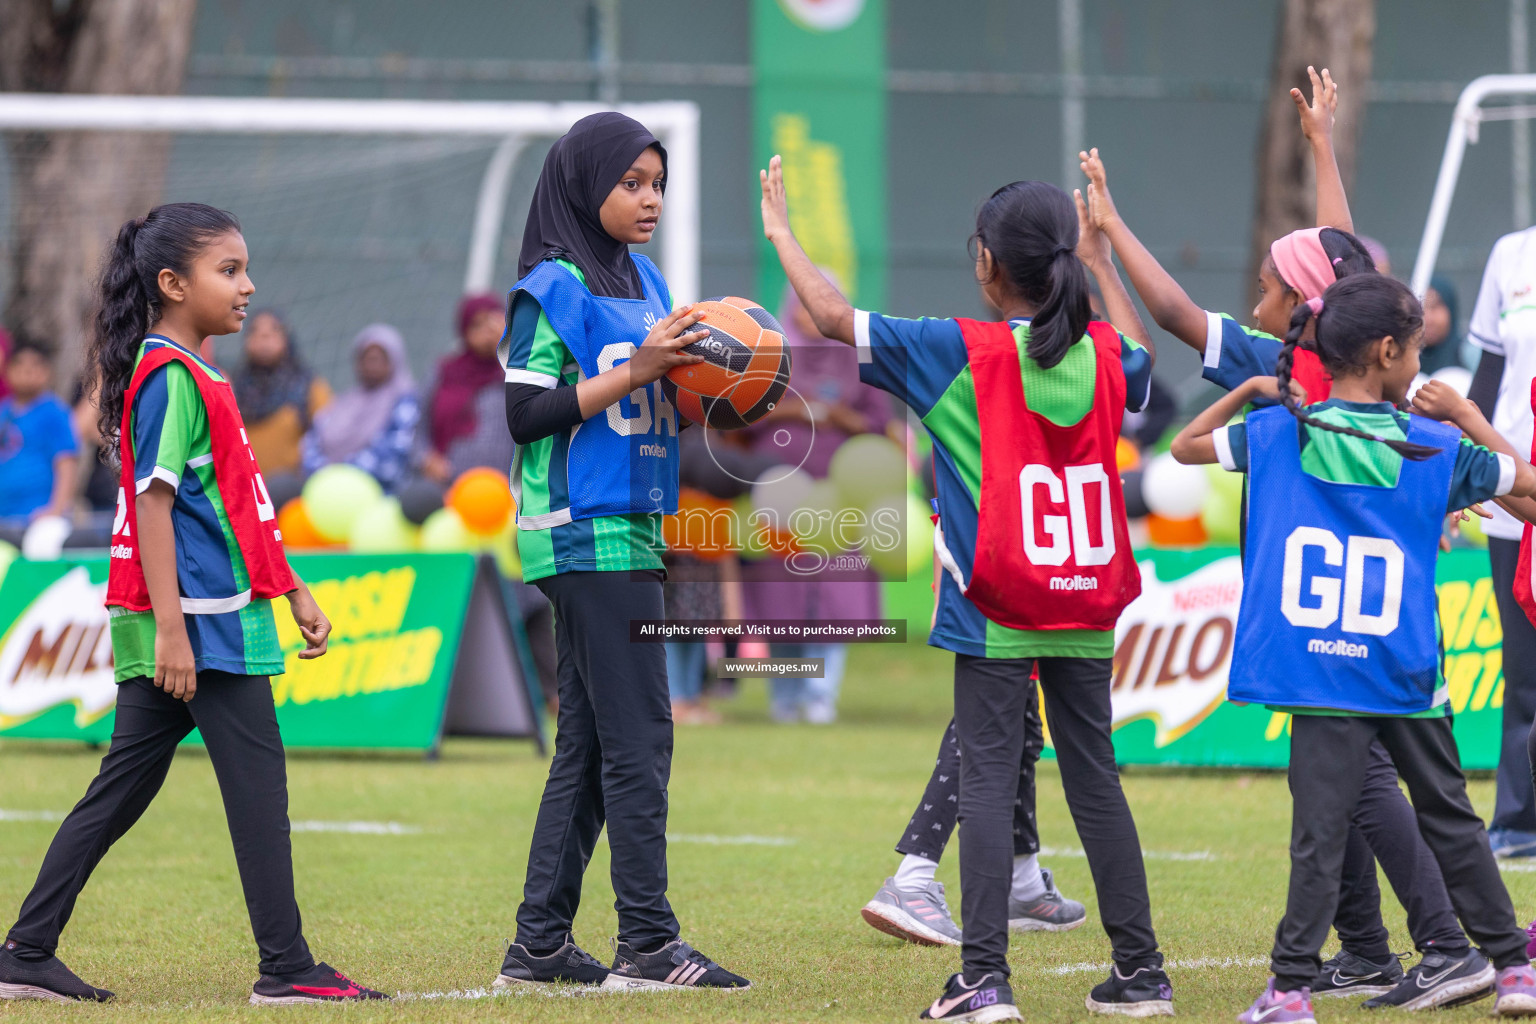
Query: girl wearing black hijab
<point x="590" y="334"/>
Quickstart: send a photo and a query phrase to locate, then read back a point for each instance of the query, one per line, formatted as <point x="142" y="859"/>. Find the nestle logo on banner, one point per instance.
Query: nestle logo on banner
<point x="58" y="652"/>
<point x="1173" y="647"/>
<point x="1340" y="648"/>
<point x="1074" y="583"/>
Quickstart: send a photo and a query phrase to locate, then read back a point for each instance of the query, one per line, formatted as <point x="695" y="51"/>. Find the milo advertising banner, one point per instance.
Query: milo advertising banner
<point x="420" y="645"/>
<point x="819" y="102"/>
<point x="1173" y="650"/>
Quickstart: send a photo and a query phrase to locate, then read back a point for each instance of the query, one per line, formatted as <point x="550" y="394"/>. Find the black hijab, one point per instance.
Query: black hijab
<point x="580" y="171"/>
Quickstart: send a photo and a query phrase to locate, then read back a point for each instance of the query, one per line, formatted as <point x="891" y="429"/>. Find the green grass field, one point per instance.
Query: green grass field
<point x="162" y="922"/>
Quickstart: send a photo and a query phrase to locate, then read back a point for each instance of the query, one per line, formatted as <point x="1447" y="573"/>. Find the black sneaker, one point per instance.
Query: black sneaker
<point x="322" y="983"/>
<point x="1346" y="974"/>
<point x="990" y="999"/>
<point x="1144" y="992"/>
<point x="675" y="965"/>
<point x="568" y="965"/>
<point x="1439" y="981"/>
<point x="44" y="979"/>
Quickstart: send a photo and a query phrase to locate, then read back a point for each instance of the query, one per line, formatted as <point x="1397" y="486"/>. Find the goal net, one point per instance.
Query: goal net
<point x="355" y="211"/>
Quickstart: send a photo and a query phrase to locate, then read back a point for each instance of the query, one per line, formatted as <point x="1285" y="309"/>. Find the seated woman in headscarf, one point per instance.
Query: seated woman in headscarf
<point x="373" y="425"/>
<point x="1444" y="344"/>
<point x="465" y="420"/>
<point x="277" y="394"/>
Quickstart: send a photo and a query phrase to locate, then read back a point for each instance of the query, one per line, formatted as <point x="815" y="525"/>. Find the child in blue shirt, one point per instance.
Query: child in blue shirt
<point x="37" y="440"/>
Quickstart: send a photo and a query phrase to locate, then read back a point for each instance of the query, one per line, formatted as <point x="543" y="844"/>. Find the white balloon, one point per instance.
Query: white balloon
<point x="780" y="490"/>
<point x="1419" y="380"/>
<point x="44" y="539"/>
<point x="1457" y="378"/>
<point x="1172" y="489"/>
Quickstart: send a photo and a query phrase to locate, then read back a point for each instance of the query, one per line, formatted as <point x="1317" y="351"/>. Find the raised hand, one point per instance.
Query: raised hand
<point x="1101" y="207"/>
<point x="1317" y="116"/>
<point x="1093" y="246"/>
<point x="775" y="205"/>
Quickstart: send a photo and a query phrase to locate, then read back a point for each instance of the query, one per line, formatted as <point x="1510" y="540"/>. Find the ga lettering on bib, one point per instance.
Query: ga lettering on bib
<point x="624" y="460"/>
<point x="1338" y="608"/>
<point x="1052" y="547"/>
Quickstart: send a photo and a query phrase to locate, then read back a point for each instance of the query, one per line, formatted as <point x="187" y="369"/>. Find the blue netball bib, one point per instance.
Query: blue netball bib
<point x="624" y="460"/>
<point x="1338" y="607"/>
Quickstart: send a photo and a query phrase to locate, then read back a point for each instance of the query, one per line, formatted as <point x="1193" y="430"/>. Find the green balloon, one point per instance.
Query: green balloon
<point x="443" y="530"/>
<point x="899" y="537"/>
<point x="814" y="523"/>
<point x="336" y="496"/>
<point x="383" y="529"/>
<point x="868" y="467"/>
<point x="1222" y="514"/>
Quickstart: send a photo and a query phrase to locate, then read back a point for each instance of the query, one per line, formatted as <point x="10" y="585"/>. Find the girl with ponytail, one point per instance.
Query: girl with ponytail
<point x="195" y="563"/>
<point x="1024" y="414"/>
<point x="1296" y="271"/>
<point x="1338" y="621"/>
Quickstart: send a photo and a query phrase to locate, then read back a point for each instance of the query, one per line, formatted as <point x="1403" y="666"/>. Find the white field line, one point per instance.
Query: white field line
<point x="31" y="815"/>
<point x="713" y="840"/>
<point x="1198" y="964"/>
<point x="1073" y="851"/>
<point x="1520" y="866"/>
<point x="362" y="828"/>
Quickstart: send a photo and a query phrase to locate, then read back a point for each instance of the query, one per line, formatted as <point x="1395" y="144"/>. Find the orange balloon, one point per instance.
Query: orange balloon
<point x="703" y="526"/>
<point x="483" y="499"/>
<point x="1175" y="533"/>
<point x="298" y="532"/>
<point x="1127" y="455"/>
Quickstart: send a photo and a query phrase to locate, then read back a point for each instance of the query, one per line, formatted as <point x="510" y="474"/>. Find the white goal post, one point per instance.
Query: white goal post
<point x="1469" y="115"/>
<point x="676" y="124"/>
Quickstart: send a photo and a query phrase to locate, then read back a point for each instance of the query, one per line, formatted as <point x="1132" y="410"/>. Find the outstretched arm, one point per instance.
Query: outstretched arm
<point x="1094" y="250"/>
<point x="1194" y="445"/>
<point x="832" y="313"/>
<point x="1317" y="126"/>
<point x="1172" y="309"/>
<point x="1439" y="401"/>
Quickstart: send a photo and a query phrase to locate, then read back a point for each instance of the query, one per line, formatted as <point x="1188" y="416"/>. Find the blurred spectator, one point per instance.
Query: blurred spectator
<point x="277" y="393"/>
<point x="1378" y="254"/>
<point x="466" y="420"/>
<point x="100" y="488"/>
<point x="1444" y="344"/>
<point x="827" y="406"/>
<point x="698" y="588"/>
<point x="373" y="425"/>
<point x="37" y="441"/>
<point x="5" y="354"/>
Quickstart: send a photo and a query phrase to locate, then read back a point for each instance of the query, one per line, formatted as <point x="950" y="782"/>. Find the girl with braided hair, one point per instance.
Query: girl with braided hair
<point x="1296" y="271"/>
<point x="1337" y="625"/>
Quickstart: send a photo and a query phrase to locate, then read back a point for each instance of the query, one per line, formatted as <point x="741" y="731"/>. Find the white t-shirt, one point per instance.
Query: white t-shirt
<point x="1504" y="322"/>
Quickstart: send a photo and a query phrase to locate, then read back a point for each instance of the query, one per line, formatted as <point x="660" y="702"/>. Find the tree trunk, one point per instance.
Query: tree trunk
<point x="70" y="191"/>
<point x="1336" y="34"/>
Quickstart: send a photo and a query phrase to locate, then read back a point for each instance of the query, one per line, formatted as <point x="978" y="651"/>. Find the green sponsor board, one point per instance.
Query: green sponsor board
<point x="399" y="622"/>
<point x="1174" y="649"/>
<point x="819" y="102"/>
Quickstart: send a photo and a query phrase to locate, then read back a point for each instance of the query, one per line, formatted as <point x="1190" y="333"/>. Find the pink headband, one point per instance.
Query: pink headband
<point x="1302" y="263"/>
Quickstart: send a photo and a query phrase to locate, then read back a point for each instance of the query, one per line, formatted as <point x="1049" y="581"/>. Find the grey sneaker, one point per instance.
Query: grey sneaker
<point x="1049" y="912"/>
<point x="920" y="917"/>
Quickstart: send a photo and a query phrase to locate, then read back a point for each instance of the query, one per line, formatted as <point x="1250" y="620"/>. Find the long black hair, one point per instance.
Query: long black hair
<point x="1030" y="227"/>
<point x="169" y="237"/>
<point x="1356" y="311"/>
